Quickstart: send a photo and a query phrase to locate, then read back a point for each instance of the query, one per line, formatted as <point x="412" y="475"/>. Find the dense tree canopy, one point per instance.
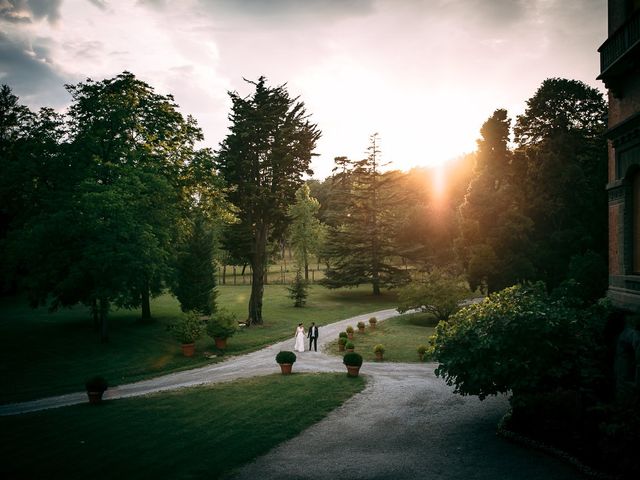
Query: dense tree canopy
<point x="268" y="149"/>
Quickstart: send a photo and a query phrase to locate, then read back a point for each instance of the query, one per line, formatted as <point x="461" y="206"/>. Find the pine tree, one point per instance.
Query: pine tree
<point x="298" y="290"/>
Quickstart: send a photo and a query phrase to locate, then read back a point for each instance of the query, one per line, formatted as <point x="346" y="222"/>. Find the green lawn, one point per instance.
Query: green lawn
<point x="400" y="337"/>
<point x="193" y="433"/>
<point x="47" y="354"/>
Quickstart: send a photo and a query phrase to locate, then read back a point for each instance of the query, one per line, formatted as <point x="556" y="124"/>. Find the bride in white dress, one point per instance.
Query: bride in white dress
<point x="299" y="346"/>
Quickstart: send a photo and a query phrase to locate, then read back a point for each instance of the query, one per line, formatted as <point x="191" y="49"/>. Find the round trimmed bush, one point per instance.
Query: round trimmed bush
<point x="96" y="384"/>
<point x="373" y="320"/>
<point x="286" y="356"/>
<point x="342" y="341"/>
<point x="422" y="349"/>
<point x="349" y="345"/>
<point x="360" y="325"/>
<point x="352" y="359"/>
<point x="349" y="329"/>
<point x="379" y="348"/>
<point x="342" y="335"/>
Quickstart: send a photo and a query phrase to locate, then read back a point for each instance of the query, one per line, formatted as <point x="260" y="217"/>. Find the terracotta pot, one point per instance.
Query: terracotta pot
<point x="95" y="397"/>
<point x="188" y="349"/>
<point x="360" y="330"/>
<point x="350" y="335"/>
<point x="221" y="343"/>
<point x="352" y="371"/>
<point x="340" y="347"/>
<point x="378" y="355"/>
<point x="286" y="368"/>
<point x="372" y="326"/>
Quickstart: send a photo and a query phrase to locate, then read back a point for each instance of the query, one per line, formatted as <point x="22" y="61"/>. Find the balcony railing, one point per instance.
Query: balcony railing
<point x="623" y="39"/>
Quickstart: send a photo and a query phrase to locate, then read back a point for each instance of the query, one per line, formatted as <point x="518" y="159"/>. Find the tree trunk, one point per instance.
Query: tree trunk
<point x="258" y="263"/>
<point x="306" y="271"/>
<point x="145" y="303"/>
<point x="224" y="274"/>
<point x="95" y="314"/>
<point x="104" y="314"/>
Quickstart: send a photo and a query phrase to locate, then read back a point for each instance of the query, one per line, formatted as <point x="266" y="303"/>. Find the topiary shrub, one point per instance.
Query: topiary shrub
<point x="188" y="328"/>
<point x="349" y="345"/>
<point x="342" y="335"/>
<point x="352" y="359"/>
<point x="373" y="321"/>
<point x="360" y="325"/>
<point x="286" y="357"/>
<point x="422" y="349"/>
<point x="349" y="329"/>
<point x="96" y="384"/>
<point x="379" y="348"/>
<point x="342" y="341"/>
<point x="222" y="324"/>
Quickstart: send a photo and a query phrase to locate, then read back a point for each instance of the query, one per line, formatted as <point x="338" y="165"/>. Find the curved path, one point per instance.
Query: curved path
<point x="406" y="424"/>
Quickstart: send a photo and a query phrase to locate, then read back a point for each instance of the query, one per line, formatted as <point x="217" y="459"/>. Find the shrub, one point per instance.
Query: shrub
<point x="373" y="320"/>
<point x="96" y="384"/>
<point x="360" y="325"/>
<point x="422" y="349"/>
<point x="349" y="329"/>
<point x="286" y="356"/>
<point x="349" y="345"/>
<point x="188" y="328"/>
<point x="223" y="324"/>
<point x="342" y="335"/>
<point x="352" y="359"/>
<point x="342" y="341"/>
<point x="519" y="340"/>
<point x="379" y="348"/>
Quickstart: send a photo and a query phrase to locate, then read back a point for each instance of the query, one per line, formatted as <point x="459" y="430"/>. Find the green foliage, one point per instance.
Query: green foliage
<point x="363" y="222"/>
<point x="519" y="340"/>
<point x="222" y="324"/>
<point x="437" y="293"/>
<point x="263" y="158"/>
<point x="195" y="279"/>
<point x="373" y="320"/>
<point x="307" y="232"/>
<point x="188" y="328"/>
<point x="286" y="356"/>
<point x="352" y="359"/>
<point x="96" y="384"/>
<point x="422" y="349"/>
<point x="349" y="329"/>
<point x="298" y="290"/>
<point x="379" y="348"/>
<point x="342" y="340"/>
<point x="361" y="325"/>
<point x="349" y="345"/>
<point x="342" y="335"/>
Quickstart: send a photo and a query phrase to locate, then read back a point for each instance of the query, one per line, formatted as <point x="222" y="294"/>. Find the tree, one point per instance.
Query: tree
<point x="195" y="271"/>
<point x="307" y="233"/>
<point x="562" y="152"/>
<point x="361" y="240"/>
<point x="268" y="149"/>
<point x="438" y="293"/>
<point x="494" y="243"/>
<point x="298" y="290"/>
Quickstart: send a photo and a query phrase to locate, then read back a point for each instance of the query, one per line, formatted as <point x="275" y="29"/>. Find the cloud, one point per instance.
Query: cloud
<point x="26" y="11"/>
<point x="101" y="4"/>
<point x="28" y="70"/>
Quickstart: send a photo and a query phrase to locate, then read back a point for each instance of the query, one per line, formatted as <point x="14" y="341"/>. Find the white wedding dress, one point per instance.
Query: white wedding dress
<point x="299" y="347"/>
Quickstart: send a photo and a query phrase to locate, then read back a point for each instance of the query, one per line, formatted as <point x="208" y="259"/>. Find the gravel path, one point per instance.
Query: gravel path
<point x="406" y="424"/>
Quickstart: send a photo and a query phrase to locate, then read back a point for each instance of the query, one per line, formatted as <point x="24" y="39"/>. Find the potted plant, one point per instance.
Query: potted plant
<point x="187" y="330"/>
<point x="342" y="335"/>
<point x="286" y="359"/>
<point x="422" y="349"/>
<point x="379" y="351"/>
<point x="349" y="346"/>
<point x="349" y="331"/>
<point x="96" y="387"/>
<point x="341" y="343"/>
<point x="360" y="327"/>
<point x="353" y="362"/>
<point x="222" y="325"/>
<point x="373" y="321"/>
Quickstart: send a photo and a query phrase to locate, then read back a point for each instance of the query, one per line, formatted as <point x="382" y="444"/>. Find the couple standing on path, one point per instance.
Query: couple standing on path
<point x="312" y="335"/>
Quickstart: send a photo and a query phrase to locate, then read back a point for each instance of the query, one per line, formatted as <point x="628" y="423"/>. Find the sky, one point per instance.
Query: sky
<point x="424" y="74"/>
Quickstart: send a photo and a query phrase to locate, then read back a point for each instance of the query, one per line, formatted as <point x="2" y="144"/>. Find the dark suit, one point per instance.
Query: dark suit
<point x="313" y="337"/>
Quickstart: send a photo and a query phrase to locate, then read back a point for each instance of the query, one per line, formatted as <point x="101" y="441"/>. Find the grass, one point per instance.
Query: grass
<point x="399" y="335"/>
<point x="192" y="433"/>
<point x="48" y="354"/>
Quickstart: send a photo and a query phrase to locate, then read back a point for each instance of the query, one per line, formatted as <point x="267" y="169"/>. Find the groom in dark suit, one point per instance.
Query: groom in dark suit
<point x="313" y="336"/>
